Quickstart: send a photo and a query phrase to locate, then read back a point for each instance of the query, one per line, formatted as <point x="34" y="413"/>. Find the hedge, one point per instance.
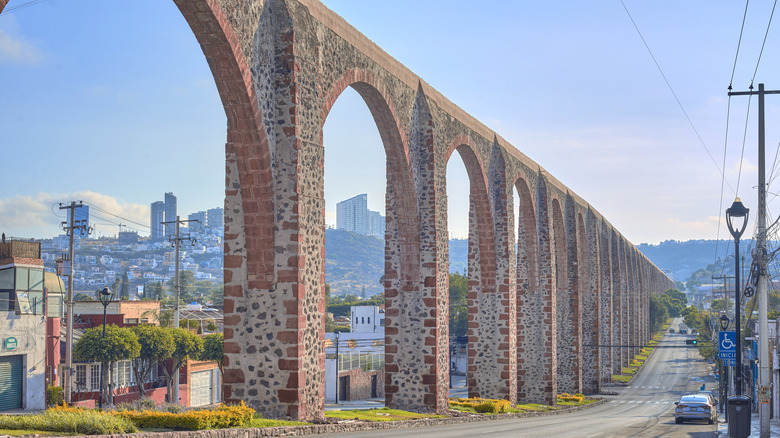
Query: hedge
<point x="220" y="418"/>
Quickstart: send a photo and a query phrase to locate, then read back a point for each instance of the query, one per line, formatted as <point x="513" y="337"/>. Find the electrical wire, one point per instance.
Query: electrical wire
<point x="744" y="139"/>
<point x="11" y="9"/>
<point x="117" y="216"/>
<point x="682" y="108"/>
<point x="766" y="34"/>
<point x="739" y="43"/>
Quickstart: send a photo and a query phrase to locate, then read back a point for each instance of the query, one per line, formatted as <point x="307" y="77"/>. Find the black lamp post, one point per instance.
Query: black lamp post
<point x="724" y="322"/>
<point x="105" y="296"/>
<point x="737" y="210"/>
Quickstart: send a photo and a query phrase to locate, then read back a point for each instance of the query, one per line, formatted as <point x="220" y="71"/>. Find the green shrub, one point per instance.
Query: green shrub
<point x="486" y="408"/>
<point x="55" y="396"/>
<point x="71" y="420"/>
<point x="144" y="404"/>
<point x="220" y="418"/>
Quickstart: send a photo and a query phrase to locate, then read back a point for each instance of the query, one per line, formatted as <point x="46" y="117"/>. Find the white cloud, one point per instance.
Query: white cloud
<point x="15" y="48"/>
<point x="39" y="216"/>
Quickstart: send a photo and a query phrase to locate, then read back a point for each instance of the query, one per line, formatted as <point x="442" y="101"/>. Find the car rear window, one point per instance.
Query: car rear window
<point x="694" y="399"/>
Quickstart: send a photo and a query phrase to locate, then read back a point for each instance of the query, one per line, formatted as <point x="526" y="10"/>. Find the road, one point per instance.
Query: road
<point x="643" y="409"/>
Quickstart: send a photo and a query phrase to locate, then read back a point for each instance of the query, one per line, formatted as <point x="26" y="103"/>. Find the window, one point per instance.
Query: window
<point x="369" y="320"/>
<point x="131" y="320"/>
<point x="94" y="376"/>
<point x="123" y="372"/>
<point x="356" y="320"/>
<point x="362" y="319"/>
<point x="7" y="291"/>
<point x="81" y="376"/>
<point x="382" y="322"/>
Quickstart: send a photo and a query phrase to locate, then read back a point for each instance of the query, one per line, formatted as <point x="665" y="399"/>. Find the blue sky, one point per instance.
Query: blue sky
<point x="113" y="103"/>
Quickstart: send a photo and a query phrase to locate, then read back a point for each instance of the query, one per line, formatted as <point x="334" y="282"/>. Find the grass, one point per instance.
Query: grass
<point x="264" y="422"/>
<point x="23" y="432"/>
<point x="383" y="414"/>
<point x="573" y="403"/>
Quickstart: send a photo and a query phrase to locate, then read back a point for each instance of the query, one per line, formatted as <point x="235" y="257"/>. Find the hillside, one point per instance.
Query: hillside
<point x="682" y="258"/>
<point x="354" y="263"/>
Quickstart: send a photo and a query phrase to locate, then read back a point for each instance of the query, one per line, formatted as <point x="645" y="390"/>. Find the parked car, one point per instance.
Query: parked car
<point x="695" y="407"/>
<point x="683" y="331"/>
<point x="671" y="330"/>
<point x="710" y="396"/>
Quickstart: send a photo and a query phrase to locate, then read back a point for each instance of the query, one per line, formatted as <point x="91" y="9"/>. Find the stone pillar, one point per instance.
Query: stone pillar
<point x="607" y="294"/>
<point x="568" y="299"/>
<point x="591" y="310"/>
<point x="538" y="320"/>
<point x="530" y="301"/>
<point x="417" y="315"/>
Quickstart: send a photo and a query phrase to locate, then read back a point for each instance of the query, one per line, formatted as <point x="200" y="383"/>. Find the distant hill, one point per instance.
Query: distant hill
<point x="355" y="263"/>
<point x="683" y="258"/>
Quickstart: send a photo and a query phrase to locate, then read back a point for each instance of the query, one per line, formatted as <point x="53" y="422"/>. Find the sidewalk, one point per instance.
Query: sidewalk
<point x="774" y="426"/>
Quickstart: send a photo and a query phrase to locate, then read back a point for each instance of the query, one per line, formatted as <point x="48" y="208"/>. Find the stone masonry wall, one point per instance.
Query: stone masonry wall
<point x="279" y="65"/>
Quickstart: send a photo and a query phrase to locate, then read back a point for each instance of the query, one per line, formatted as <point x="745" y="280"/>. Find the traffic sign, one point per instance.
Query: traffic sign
<point x="727" y="345"/>
<point x="729" y="362"/>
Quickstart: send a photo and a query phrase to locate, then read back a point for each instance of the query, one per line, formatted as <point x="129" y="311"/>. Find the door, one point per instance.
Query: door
<point x="10" y="382"/>
<point x="200" y="388"/>
<point x="344" y="388"/>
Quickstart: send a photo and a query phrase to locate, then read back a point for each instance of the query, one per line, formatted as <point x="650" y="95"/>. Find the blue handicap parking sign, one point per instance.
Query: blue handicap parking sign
<point x="727" y="345"/>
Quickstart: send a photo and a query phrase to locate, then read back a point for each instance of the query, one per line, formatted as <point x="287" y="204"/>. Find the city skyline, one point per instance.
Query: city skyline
<point x="135" y="112"/>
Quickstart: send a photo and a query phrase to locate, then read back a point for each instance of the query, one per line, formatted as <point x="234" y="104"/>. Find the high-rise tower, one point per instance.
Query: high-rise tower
<point x="170" y="214"/>
<point x="156" y="219"/>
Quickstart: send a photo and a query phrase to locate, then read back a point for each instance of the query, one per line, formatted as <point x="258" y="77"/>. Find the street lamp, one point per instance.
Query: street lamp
<point x="105" y="296"/>
<point x="724" y="322"/>
<point x="737" y="211"/>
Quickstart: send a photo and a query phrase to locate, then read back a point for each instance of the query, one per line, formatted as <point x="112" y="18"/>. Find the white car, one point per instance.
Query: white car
<point x="695" y="407"/>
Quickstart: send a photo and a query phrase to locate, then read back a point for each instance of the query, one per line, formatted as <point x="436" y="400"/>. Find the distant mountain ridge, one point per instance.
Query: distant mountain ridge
<point x="683" y="258"/>
<point x="354" y="263"/>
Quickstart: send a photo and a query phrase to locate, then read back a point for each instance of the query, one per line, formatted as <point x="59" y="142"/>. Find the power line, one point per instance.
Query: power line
<point x="768" y="25"/>
<point x="739" y="44"/>
<point x="669" y="85"/>
<point x="12" y="9"/>
<point x="117" y="216"/>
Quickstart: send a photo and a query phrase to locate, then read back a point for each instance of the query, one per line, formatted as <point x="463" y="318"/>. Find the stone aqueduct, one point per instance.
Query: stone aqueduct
<point x="560" y="310"/>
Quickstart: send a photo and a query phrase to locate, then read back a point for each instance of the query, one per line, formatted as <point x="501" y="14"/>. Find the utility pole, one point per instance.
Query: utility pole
<point x="176" y="243"/>
<point x="70" y="228"/>
<point x="761" y="255"/>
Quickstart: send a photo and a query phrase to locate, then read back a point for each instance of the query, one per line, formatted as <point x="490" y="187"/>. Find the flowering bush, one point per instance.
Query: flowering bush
<point x="576" y="398"/>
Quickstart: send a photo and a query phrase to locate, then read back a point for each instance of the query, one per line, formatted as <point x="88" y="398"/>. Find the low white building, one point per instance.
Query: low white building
<point x="367" y="319"/>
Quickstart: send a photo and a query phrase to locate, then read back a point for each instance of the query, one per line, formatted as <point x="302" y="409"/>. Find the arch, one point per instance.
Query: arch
<point x="484" y="308"/>
<point x="402" y="233"/>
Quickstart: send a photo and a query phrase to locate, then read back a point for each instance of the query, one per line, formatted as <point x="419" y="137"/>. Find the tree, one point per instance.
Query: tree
<point x="459" y="304"/>
<point x="124" y="288"/>
<point x="119" y="344"/>
<point x="188" y="346"/>
<point x="154" y="291"/>
<point x="186" y="285"/>
<point x="156" y="346"/>
<point x="658" y="312"/>
<point x="83" y="297"/>
<point x="213" y="349"/>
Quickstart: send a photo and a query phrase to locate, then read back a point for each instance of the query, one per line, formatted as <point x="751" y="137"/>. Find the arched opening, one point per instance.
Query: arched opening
<point x="483" y="308"/>
<point x="136" y="112"/>
<point x="369" y="227"/>
<point x="458" y="187"/>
